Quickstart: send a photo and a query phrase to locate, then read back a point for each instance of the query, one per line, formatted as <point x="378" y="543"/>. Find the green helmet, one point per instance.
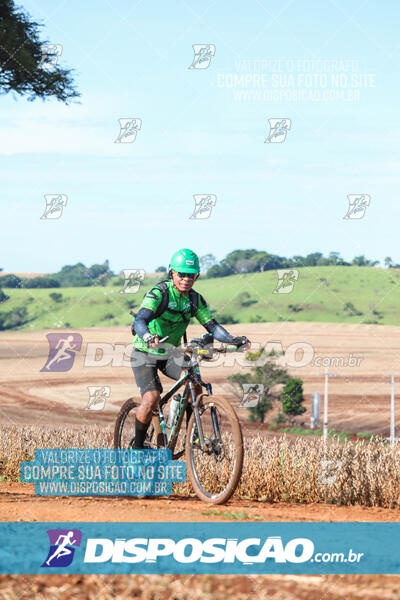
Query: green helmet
<point x="185" y="261"/>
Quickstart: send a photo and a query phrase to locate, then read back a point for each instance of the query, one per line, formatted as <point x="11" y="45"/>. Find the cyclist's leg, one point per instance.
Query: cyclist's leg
<point x="144" y="366"/>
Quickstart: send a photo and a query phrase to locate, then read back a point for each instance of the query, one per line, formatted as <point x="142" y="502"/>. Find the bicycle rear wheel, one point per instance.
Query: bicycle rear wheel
<point x="216" y="470"/>
<point x="124" y="430"/>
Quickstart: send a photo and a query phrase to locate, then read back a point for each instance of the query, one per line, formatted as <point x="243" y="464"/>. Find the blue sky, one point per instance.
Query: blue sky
<point x="131" y="202"/>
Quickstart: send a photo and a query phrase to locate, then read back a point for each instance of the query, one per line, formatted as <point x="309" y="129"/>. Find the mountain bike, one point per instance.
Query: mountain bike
<point x="212" y="444"/>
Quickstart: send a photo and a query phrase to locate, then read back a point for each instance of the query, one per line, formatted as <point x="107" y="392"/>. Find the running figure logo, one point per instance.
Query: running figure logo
<point x="55" y="203"/>
<point x="133" y="279"/>
<point x="203" y="54"/>
<point x="278" y="129"/>
<point x="252" y="394"/>
<point x="98" y="396"/>
<point x="203" y="205"/>
<point x="62" y="351"/>
<point x="128" y="129"/>
<point x="357" y="205"/>
<point x="61" y="551"/>
<point x="286" y="280"/>
<point x="50" y="54"/>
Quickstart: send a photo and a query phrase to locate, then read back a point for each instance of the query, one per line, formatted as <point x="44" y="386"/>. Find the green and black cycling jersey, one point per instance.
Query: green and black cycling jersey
<point x="173" y="321"/>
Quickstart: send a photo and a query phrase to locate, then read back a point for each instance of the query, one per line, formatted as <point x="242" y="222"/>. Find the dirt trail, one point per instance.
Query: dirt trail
<point x="19" y="503"/>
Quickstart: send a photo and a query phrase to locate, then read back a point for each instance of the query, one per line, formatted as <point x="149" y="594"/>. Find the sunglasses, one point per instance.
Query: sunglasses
<point x="184" y="275"/>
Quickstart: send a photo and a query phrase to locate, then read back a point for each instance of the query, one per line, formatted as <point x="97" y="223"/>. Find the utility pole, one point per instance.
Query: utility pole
<point x="327" y="375"/>
<point x="392" y="423"/>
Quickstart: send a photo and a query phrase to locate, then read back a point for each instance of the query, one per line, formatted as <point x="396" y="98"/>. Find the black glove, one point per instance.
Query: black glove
<point x="149" y="338"/>
<point x="239" y="341"/>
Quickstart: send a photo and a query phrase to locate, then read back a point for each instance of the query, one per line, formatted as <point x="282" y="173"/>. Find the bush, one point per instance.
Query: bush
<point x="108" y="316"/>
<point x="119" y="281"/>
<point x="350" y="308"/>
<point x="256" y="319"/>
<point x="14" y="318"/>
<point x="245" y="300"/>
<point x="56" y="297"/>
<point x="280" y="419"/>
<point x="40" y="282"/>
<point x="131" y="304"/>
<point x="295" y="308"/>
<point x="161" y="270"/>
<point x="3" y="296"/>
<point x="225" y="319"/>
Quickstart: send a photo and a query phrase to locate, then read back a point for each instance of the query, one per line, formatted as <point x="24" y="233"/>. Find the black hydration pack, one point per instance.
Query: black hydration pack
<point x="163" y="306"/>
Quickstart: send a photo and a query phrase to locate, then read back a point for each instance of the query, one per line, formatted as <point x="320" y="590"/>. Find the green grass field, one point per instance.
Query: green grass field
<point x="324" y="294"/>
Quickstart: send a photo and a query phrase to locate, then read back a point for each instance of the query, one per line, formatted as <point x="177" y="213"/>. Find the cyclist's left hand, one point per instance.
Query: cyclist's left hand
<point x="241" y="341"/>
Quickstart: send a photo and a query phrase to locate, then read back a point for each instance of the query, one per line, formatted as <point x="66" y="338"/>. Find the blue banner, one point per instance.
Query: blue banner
<point x="245" y="548"/>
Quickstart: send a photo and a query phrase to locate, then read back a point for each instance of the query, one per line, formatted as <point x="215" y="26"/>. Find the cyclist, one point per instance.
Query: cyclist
<point x="147" y="356"/>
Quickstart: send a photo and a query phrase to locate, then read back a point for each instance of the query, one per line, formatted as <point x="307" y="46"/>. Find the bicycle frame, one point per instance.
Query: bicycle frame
<point x="189" y="378"/>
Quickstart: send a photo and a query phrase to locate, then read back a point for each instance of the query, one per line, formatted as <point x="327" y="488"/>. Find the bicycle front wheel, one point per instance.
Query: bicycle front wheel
<point x="214" y="471"/>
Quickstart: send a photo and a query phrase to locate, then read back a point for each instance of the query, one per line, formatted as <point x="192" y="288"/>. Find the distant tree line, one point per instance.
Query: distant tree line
<point x="69" y="276"/>
<point x="250" y="261"/>
<point x="237" y="261"/>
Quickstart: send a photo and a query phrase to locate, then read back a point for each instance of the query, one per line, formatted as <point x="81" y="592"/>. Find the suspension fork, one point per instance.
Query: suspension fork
<point x="214" y="417"/>
<point x="196" y="415"/>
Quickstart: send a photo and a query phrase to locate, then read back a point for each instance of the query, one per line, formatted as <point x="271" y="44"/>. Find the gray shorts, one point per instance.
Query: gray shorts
<point x="145" y="368"/>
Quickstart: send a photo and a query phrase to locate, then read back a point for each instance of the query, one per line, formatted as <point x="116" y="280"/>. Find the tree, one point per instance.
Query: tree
<point x="311" y="260"/>
<point x="297" y="261"/>
<point x="101" y="273"/>
<point x="269" y="375"/>
<point x="161" y="270"/>
<point x="292" y="398"/>
<point x="21" y="59"/>
<point x="361" y="261"/>
<point x="388" y="262"/>
<point x="245" y="265"/>
<point x="334" y="257"/>
<point x="10" y="281"/>
<point x="207" y="261"/>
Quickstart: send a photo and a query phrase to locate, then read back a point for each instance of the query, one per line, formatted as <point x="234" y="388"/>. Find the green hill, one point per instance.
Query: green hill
<point x="325" y="294"/>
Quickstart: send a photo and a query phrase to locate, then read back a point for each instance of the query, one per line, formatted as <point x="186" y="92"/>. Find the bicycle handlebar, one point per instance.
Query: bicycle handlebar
<point x="221" y="350"/>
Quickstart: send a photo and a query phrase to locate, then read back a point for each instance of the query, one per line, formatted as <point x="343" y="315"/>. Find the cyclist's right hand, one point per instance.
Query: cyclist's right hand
<point x="151" y="340"/>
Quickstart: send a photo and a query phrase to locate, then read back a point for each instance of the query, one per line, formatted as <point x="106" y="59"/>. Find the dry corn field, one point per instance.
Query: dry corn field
<point x="296" y="470"/>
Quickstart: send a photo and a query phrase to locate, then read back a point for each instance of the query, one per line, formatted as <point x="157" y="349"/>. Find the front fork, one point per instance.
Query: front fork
<point x="214" y="416"/>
